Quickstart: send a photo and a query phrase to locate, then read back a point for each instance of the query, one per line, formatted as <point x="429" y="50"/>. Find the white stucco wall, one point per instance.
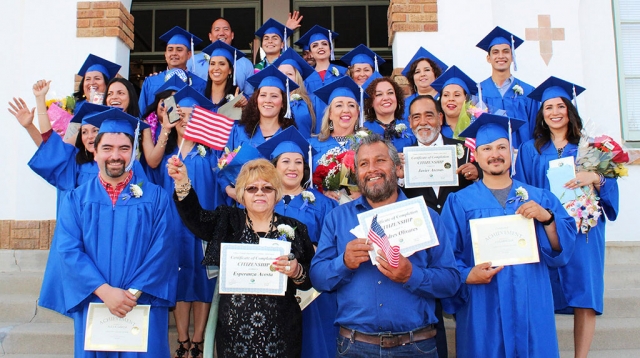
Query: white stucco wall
<point x="587" y="57"/>
<point x="41" y="43"/>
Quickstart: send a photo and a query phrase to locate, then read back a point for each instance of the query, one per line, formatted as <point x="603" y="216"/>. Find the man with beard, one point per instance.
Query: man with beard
<point x="114" y="240"/>
<point x="425" y="118"/>
<point x="513" y="305"/>
<point x="382" y="311"/>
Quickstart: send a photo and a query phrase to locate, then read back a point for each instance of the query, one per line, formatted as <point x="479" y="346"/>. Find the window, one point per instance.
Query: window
<point x="154" y="18"/>
<point x="627" y="29"/>
<point x="356" y="22"/>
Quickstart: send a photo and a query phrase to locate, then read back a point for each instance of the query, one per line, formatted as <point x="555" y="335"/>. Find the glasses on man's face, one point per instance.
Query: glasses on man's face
<point x="254" y="189"/>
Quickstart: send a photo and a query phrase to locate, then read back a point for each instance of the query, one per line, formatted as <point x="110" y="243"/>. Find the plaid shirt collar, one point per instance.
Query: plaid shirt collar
<point x="115" y="192"/>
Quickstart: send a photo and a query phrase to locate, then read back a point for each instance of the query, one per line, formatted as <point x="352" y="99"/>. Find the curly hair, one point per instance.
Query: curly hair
<point x="251" y="114"/>
<point x="437" y="71"/>
<point x="542" y="134"/>
<point x="369" y="112"/>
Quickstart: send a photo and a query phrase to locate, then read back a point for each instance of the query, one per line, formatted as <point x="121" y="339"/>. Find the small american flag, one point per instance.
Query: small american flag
<point x="378" y="237"/>
<point x="470" y="143"/>
<point x="208" y="128"/>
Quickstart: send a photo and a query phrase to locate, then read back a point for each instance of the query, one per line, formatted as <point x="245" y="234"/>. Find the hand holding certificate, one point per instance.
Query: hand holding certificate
<point x="504" y="240"/>
<point x="429" y="166"/>
<point x="107" y="332"/>
<point x="246" y="269"/>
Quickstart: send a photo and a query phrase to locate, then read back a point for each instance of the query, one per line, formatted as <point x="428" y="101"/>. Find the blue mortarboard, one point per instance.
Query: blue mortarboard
<point x="291" y="57"/>
<point x="271" y="76"/>
<point x="95" y="63"/>
<point x="343" y="87"/>
<point x="246" y="153"/>
<point x="499" y="36"/>
<point x="180" y="36"/>
<point x="115" y="120"/>
<point x="188" y="97"/>
<point x="174" y="83"/>
<point x="554" y="87"/>
<point x="373" y="76"/>
<point x="454" y="75"/>
<point x="287" y="141"/>
<point x="272" y="26"/>
<point x="490" y="127"/>
<point x="362" y="54"/>
<point x="317" y="33"/>
<point x="87" y="110"/>
<point x="422" y="53"/>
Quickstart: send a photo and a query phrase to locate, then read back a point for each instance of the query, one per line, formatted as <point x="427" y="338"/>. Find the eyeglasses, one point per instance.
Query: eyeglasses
<point x="264" y="189"/>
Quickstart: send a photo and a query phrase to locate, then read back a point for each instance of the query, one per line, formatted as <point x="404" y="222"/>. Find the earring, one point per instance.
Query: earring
<point x="330" y="125"/>
<point x="544" y="125"/>
<point x="356" y="127"/>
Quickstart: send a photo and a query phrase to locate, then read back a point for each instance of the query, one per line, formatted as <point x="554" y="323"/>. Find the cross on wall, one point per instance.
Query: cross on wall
<point x="545" y="35"/>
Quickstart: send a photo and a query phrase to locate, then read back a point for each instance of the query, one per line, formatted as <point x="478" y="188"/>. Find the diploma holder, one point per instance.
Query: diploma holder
<point x="504" y="240"/>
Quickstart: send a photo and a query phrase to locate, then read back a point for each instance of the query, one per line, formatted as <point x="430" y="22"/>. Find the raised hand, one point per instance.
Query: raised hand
<point x="22" y="113"/>
<point x="293" y="22"/>
<point x="41" y="88"/>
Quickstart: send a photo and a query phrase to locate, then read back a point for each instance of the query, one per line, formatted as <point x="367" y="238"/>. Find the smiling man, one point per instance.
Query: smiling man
<point x="177" y="55"/>
<point x="513" y="305"/>
<point x="372" y="322"/>
<point x="114" y="240"/>
<point x="502" y="90"/>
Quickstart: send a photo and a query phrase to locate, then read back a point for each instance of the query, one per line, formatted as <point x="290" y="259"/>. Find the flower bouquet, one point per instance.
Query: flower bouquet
<point x="585" y="209"/>
<point x="335" y="170"/>
<point x="226" y="157"/>
<point x="603" y="156"/>
<point x="60" y="112"/>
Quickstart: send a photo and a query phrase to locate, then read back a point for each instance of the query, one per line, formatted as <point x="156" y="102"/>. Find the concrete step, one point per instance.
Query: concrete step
<point x="38" y="338"/>
<point x="23" y="260"/>
<point x="617" y="353"/>
<point x="23" y="308"/>
<point x="622" y="276"/>
<point x="20" y="282"/>
<point x="36" y="355"/>
<point x="622" y="303"/>
<point x="612" y="333"/>
<point x="622" y="253"/>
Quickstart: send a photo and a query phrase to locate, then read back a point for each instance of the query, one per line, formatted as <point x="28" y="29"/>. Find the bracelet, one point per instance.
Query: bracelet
<point x="180" y="197"/>
<point x="298" y="272"/>
<point x="183" y="188"/>
<point x="42" y="114"/>
<point x="602" y="179"/>
<point x="302" y="278"/>
<point x="551" y="219"/>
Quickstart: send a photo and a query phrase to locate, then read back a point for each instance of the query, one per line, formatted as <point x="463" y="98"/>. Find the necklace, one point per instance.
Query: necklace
<point x="271" y="224"/>
<point x="560" y="151"/>
<point x="340" y="138"/>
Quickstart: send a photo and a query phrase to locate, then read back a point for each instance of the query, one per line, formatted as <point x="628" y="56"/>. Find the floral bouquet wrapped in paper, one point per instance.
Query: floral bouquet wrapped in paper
<point x="336" y="168"/>
<point x="227" y="157"/>
<point x="585" y="209"/>
<point x="602" y="155"/>
<point x="60" y="112"/>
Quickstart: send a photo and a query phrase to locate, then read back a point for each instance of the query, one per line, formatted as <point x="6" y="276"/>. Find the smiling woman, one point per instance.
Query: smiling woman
<point x="121" y="94"/>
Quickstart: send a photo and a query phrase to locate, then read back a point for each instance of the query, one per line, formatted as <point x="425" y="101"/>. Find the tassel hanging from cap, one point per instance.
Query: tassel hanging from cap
<point x="288" y="114"/>
<point x="285" y="39"/>
<point x="513" y="53"/>
<point x="235" y="59"/>
<point x="480" y="101"/>
<point x="375" y="62"/>
<point x="333" y="57"/>
<point x="135" y="148"/>
<point x="361" y="119"/>
<point x="193" y="58"/>
<point x="574" y="100"/>
<point x="511" y="153"/>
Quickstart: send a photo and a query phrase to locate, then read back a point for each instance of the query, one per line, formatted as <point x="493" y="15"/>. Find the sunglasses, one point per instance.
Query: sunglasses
<point x="264" y="189"/>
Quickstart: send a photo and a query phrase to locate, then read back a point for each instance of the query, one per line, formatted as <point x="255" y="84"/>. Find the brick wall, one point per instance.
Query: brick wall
<point x="105" y="19"/>
<point x="26" y="234"/>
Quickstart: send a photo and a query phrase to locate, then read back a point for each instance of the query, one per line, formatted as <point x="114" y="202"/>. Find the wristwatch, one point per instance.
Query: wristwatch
<point x="551" y="219"/>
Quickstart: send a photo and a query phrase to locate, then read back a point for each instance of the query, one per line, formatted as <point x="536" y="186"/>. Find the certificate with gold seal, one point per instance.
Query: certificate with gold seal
<point x="504" y="240"/>
<point x="107" y="332"/>
<point x="429" y="166"/>
<point x="247" y="269"/>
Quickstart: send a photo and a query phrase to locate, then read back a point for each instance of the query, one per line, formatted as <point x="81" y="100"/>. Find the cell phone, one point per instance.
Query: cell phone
<point x="172" y="110"/>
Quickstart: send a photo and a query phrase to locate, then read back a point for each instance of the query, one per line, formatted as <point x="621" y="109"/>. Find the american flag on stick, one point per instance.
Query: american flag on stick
<point x="378" y="237"/>
<point x="470" y="143"/>
<point x="208" y="128"/>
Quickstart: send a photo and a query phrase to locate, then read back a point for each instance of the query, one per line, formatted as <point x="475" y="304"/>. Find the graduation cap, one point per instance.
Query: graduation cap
<point x="343" y="87"/>
<point x="554" y="87"/>
<point x="454" y="75"/>
<point x="271" y="76"/>
<point x="317" y="33"/>
<point x="115" y="120"/>
<point x="362" y="54"/>
<point x="422" y="54"/>
<point x="288" y="141"/>
<point x="374" y="76"/>
<point x="174" y="83"/>
<point x="86" y="110"/>
<point x="180" y="36"/>
<point x="220" y="48"/>
<point x="291" y="57"/>
<point x="500" y="36"/>
<point x="246" y="153"/>
<point x="96" y="63"/>
<point x="272" y="26"/>
<point x="490" y="127"/>
<point x="188" y="97"/>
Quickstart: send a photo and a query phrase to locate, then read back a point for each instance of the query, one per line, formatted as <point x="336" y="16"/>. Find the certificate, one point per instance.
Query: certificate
<point x="407" y="224"/>
<point x="504" y="240"/>
<point x="246" y="269"/>
<point x="561" y="171"/>
<point x="305" y="298"/>
<point x="429" y="166"/>
<point x="107" y="332"/>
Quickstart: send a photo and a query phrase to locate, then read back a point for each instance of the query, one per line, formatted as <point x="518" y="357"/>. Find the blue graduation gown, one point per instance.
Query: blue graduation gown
<point x="55" y="162"/>
<point x="127" y="245"/>
<point x="152" y="83"/>
<point x="302" y="115"/>
<point x="512" y="316"/>
<point x="313" y="82"/>
<point x="405" y="140"/>
<point x="324" y="147"/>
<point x="517" y="106"/>
<point x="193" y="282"/>
<point x="318" y="331"/>
<point x="581" y="282"/>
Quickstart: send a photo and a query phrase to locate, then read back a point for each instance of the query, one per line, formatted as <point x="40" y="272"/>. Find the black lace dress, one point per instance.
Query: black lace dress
<point x="250" y="325"/>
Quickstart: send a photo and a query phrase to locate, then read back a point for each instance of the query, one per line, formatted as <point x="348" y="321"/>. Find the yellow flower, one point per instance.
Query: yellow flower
<point x="621" y="170"/>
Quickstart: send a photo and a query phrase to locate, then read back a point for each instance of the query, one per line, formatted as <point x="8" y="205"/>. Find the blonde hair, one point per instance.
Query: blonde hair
<point x="258" y="169"/>
<point x="325" y="133"/>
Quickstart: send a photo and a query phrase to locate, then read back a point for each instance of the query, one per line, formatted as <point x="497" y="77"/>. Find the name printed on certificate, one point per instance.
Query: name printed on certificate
<point x="108" y="332"/>
<point x="504" y="240"/>
<point x="430" y="166"/>
<point x="246" y="269"/>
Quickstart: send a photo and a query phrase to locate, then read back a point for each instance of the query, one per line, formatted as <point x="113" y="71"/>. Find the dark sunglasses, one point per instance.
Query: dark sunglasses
<point x="264" y="189"/>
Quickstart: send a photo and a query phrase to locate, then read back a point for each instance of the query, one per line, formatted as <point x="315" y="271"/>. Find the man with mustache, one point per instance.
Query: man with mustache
<point x="504" y="311"/>
<point x="382" y="310"/>
<point x="115" y="241"/>
<point x="425" y="119"/>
